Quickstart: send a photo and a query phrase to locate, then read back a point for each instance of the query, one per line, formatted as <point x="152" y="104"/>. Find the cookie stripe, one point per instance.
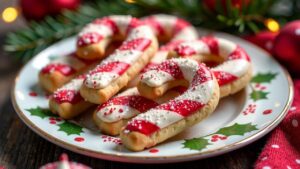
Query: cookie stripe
<point x="197" y="95"/>
<point x="232" y="54"/>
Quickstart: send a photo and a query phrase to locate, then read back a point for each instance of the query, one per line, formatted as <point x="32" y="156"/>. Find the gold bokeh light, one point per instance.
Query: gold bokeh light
<point x="130" y="1"/>
<point x="272" y="25"/>
<point x="9" y="14"/>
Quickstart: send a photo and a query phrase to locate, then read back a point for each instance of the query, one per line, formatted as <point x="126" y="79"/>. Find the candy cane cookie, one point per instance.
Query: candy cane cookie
<point x="111" y="116"/>
<point x="94" y="38"/>
<point x="170" y="29"/>
<point x="114" y="72"/>
<point x="67" y="101"/>
<point x="235" y="69"/>
<point x="170" y="118"/>
<point x="62" y="69"/>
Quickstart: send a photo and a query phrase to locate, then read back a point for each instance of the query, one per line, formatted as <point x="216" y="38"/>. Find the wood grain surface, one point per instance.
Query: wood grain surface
<point x="21" y="148"/>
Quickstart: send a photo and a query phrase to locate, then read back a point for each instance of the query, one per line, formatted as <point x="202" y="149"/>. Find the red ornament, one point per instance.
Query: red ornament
<point x="264" y="39"/>
<point x="286" y="46"/>
<point x="39" y="9"/>
<point x="211" y="4"/>
<point x="34" y="9"/>
<point x="57" y="6"/>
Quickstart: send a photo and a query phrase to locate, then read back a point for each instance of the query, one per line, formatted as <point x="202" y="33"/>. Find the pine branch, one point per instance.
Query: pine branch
<point x="27" y="42"/>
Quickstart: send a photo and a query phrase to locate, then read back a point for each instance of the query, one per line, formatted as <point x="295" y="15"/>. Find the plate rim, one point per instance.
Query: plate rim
<point x="157" y="159"/>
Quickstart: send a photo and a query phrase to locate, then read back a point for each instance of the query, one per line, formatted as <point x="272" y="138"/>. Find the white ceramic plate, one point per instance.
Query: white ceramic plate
<point x="239" y="119"/>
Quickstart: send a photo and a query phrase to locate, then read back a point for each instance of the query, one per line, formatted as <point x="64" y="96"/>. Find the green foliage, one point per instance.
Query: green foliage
<point x="27" y="42"/>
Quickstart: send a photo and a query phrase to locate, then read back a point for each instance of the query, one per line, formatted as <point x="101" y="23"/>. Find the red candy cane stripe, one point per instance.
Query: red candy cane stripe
<point x="69" y="93"/>
<point x="138" y="40"/>
<point x="66" y="65"/>
<point x="123" y="106"/>
<point x="127" y="105"/>
<point x="197" y="95"/>
<point x="236" y="62"/>
<point x="64" y="69"/>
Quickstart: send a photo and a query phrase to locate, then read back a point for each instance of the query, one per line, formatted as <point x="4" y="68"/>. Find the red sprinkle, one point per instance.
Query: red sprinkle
<point x="79" y="139"/>
<point x="268" y="111"/>
<point x="52" y="118"/>
<point x="214" y="140"/>
<point x="153" y="150"/>
<point x="33" y="94"/>
<point x="52" y="122"/>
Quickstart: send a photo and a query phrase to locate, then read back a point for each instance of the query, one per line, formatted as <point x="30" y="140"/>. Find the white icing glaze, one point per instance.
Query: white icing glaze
<point x="74" y="84"/>
<point x="129" y="92"/>
<point x="126" y="56"/>
<point x="235" y="67"/>
<point x="101" y="29"/>
<point x="188" y="33"/>
<point x="160" y="118"/>
<point x="159" y="57"/>
<point x="167" y="21"/>
<point x="225" y="47"/>
<point x="156" y="78"/>
<point x="201" y="93"/>
<point x="70" y="60"/>
<point x="198" y="46"/>
<point x="142" y="31"/>
<point x="100" y="80"/>
<point x="188" y="67"/>
<point x="115" y="115"/>
<point x="122" y="22"/>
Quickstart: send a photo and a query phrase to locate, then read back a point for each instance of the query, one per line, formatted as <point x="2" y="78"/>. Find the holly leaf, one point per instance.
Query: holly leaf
<point x="42" y="113"/>
<point x="237" y="129"/>
<point x="258" y="95"/>
<point x="196" y="143"/>
<point x="264" y="77"/>
<point x="70" y="128"/>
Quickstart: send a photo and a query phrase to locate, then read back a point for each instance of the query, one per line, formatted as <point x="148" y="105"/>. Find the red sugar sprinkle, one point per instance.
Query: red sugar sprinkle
<point x="268" y="111"/>
<point x="79" y="139"/>
<point x="33" y="94"/>
<point x="153" y="150"/>
<point x="52" y="122"/>
<point x="52" y="118"/>
<point x="214" y="139"/>
<point x="223" y="138"/>
<point x="215" y="136"/>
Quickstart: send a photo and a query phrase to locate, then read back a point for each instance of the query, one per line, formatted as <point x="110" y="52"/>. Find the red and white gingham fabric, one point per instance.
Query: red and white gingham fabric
<point x="282" y="150"/>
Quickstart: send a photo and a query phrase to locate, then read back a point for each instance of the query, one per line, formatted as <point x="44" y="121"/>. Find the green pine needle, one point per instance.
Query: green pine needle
<point x="27" y="42"/>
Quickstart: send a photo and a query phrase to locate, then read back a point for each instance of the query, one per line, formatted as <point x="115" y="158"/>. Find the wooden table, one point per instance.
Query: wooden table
<point x="22" y="148"/>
